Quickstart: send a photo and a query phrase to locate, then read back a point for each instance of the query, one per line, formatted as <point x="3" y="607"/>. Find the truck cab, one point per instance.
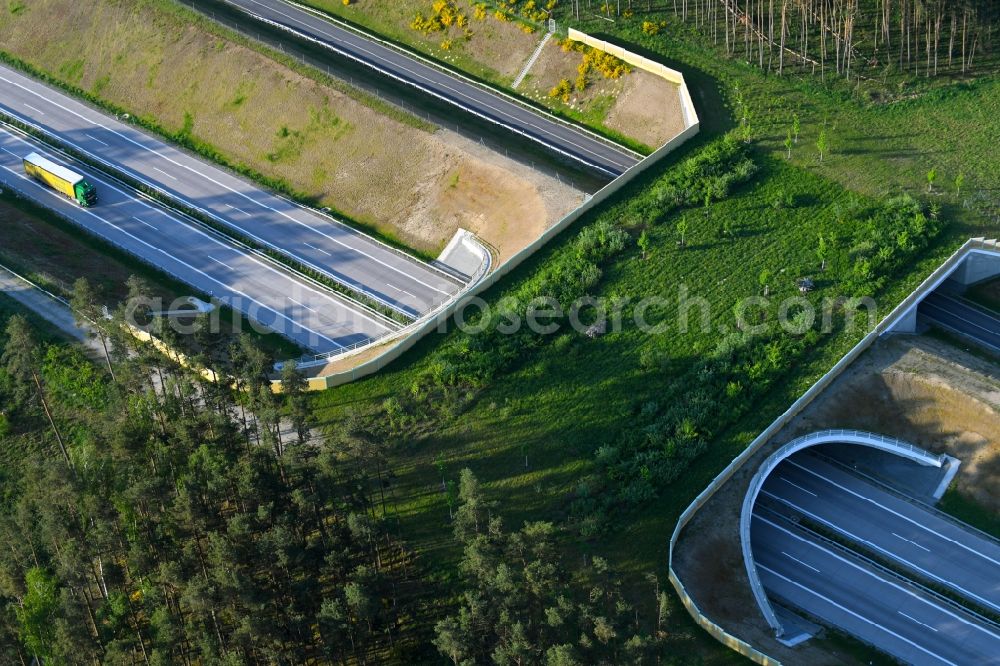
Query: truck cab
<point x="86" y="194"/>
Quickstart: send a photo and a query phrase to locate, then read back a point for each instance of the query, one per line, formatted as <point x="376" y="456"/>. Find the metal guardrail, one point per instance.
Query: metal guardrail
<point x="322" y="359"/>
<point x="895" y="492"/>
<point x="460" y="75"/>
<point x="178" y="201"/>
<point x="887" y="571"/>
<point x="434" y="93"/>
<point x="179" y="214"/>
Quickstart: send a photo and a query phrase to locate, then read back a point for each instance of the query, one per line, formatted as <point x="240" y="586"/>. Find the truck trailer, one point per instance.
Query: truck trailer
<point x="60" y="179"/>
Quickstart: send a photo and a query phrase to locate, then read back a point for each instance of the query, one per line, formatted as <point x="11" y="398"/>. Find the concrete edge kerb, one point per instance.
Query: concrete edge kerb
<point x="889" y="444"/>
<point x="933" y="280"/>
<point x="409" y="336"/>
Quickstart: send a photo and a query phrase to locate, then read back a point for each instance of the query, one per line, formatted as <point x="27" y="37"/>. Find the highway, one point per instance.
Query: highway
<point x="573" y="142"/>
<point x="329" y="247"/>
<point x="312" y="317"/>
<point x="842" y="590"/>
<point x="902" y="531"/>
<point x="962" y="317"/>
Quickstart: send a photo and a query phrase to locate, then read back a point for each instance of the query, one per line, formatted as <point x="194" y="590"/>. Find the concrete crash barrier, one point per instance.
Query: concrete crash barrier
<point x="972" y="247"/>
<point x="418" y="330"/>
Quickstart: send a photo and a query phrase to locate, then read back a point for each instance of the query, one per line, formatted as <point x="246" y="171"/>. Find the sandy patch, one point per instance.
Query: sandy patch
<point x="915" y="388"/>
<point x="639" y="105"/>
<point x="416" y="185"/>
<point x="648" y="109"/>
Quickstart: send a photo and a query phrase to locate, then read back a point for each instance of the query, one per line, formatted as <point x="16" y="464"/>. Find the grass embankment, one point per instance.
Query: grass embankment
<point x="969" y="511"/>
<point x="290" y="127"/>
<point x="560" y="402"/>
<point x="494" y="50"/>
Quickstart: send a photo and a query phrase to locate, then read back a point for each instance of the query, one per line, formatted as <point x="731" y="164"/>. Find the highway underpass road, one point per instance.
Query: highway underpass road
<point x="963" y="317"/>
<point x="312" y="317"/>
<point x="881" y="610"/>
<point x="342" y="253"/>
<point x="576" y="143"/>
<point x="903" y="531"/>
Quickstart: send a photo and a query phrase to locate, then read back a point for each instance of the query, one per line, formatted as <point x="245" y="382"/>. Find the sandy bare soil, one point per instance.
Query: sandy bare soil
<point x="639" y="105"/>
<point x="648" y="109"/>
<point x="412" y="183"/>
<point x="915" y="388"/>
<point x="493" y="49"/>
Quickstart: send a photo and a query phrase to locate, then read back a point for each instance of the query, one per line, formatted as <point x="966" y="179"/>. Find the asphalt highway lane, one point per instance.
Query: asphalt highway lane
<point x="344" y="254"/>
<point x="902" y="531"/>
<point x="843" y="591"/>
<point x="312" y="317"/>
<point x="576" y="143"/>
<point x="958" y="315"/>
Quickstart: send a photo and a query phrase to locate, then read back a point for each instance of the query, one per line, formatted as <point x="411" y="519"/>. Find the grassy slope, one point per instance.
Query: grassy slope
<point x="494" y="53"/>
<point x="966" y="509"/>
<point x="308" y="135"/>
<point x="561" y="404"/>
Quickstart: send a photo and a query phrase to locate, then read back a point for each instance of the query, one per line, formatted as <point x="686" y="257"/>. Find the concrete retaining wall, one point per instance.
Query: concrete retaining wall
<point x="399" y="348"/>
<point x="911" y="301"/>
<point x="633" y="59"/>
<point x="645" y="64"/>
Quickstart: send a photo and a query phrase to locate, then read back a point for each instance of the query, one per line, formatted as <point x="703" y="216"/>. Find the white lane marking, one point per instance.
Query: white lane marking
<point x="431" y="83"/>
<point x="38" y="111"/>
<point x="884" y="551"/>
<point x="950" y="313"/>
<point x="923" y="624"/>
<point x="94" y="138"/>
<point x="172" y="177"/>
<point x="139" y="219"/>
<point x="318" y="249"/>
<point x="791" y="483"/>
<point x="354" y="311"/>
<point x="856" y="615"/>
<point x="897" y="514"/>
<point x="221" y="263"/>
<point x="809" y="566"/>
<point x="402" y="291"/>
<point x="234" y="290"/>
<point x="911" y="541"/>
<point x="300" y="304"/>
<point x="238" y="210"/>
<point x="312" y="228"/>
<point x="872" y="574"/>
<point x="294" y="323"/>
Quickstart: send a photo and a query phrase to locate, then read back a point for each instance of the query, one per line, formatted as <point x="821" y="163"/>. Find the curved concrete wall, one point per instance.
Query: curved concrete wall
<point x="885" y="326"/>
<point x="858" y="437"/>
